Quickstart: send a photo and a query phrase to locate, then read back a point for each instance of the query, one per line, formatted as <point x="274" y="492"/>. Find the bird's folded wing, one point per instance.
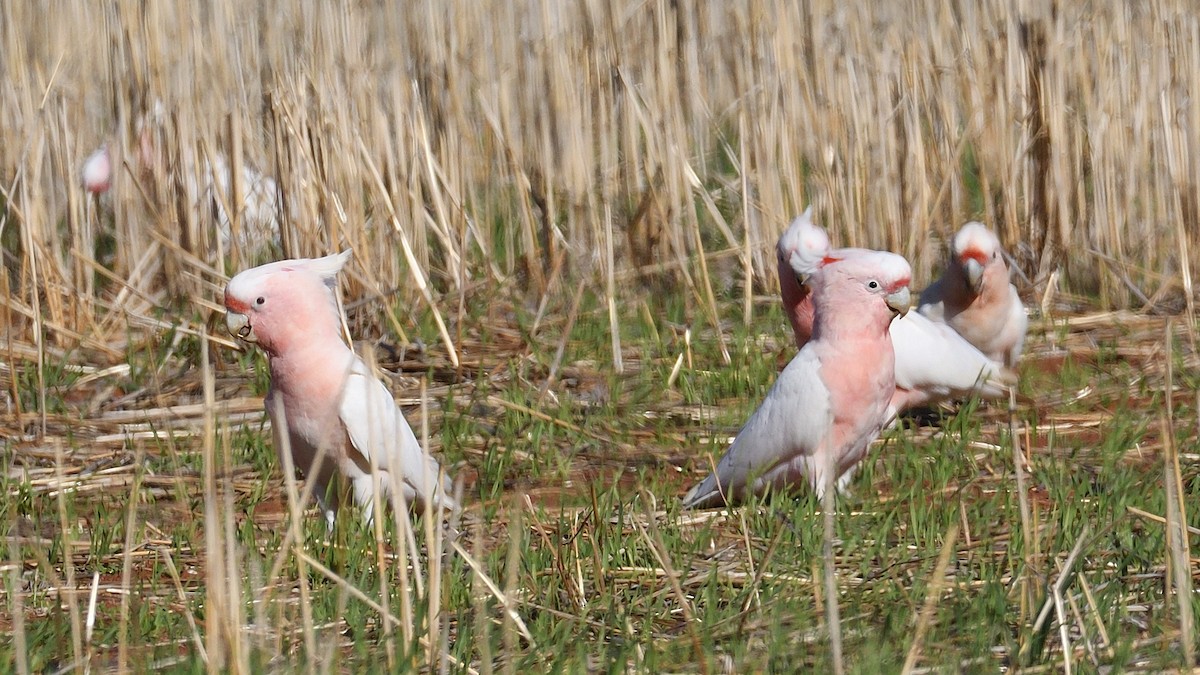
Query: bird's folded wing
<point x="792" y="421"/>
<point x="376" y="427"/>
<point x="933" y="357"/>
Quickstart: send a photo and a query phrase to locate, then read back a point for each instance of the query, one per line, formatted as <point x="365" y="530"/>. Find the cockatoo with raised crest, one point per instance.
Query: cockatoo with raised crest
<point x="323" y="396"/>
<point x="933" y="362"/>
<point x="832" y="399"/>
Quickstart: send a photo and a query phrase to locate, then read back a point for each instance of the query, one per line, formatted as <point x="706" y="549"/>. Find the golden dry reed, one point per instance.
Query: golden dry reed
<point x="460" y="144"/>
<point x="464" y="146"/>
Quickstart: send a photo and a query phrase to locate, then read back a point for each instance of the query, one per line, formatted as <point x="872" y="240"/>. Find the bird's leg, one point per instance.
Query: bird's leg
<point x="327" y="502"/>
<point x="843" y="481"/>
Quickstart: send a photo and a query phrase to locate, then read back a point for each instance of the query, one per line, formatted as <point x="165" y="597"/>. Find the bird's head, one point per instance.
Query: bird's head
<point x="273" y="304"/>
<point x="867" y="280"/>
<point x="975" y="248"/>
<point x="97" y="172"/>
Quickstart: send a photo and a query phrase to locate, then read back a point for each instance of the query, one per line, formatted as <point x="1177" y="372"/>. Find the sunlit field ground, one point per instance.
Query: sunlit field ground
<point x="562" y="217"/>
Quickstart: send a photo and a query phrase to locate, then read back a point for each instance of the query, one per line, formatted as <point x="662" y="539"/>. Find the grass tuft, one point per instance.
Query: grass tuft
<point x="562" y="217"/>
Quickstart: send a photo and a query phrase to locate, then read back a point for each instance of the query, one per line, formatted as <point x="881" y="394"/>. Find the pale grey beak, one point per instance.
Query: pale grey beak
<point x="239" y="326"/>
<point x="900" y="300"/>
<point x="974" y="270"/>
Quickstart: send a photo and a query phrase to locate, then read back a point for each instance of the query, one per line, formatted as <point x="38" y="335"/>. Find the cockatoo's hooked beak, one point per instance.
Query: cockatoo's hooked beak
<point x="899" y="300"/>
<point x="974" y="270"/>
<point x="239" y="326"/>
<point x="972" y="261"/>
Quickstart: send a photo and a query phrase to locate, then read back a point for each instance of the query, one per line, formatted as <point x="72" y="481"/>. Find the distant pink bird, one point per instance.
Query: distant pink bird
<point x="830" y="402"/>
<point x="211" y="182"/>
<point x="933" y="362"/>
<point x="975" y="298"/>
<point x="329" y="397"/>
<point x="97" y="171"/>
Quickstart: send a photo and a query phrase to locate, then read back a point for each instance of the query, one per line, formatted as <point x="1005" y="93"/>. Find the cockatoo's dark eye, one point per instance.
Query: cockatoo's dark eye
<point x="872" y="285"/>
<point x="260" y="301"/>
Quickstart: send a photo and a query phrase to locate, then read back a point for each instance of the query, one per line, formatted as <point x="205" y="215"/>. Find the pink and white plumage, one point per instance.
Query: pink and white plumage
<point x="831" y="400"/>
<point x="975" y="298"/>
<point x="209" y="182"/>
<point x="933" y="362"/>
<point x="97" y="171"/>
<point x="329" y="398"/>
<point x="800" y="250"/>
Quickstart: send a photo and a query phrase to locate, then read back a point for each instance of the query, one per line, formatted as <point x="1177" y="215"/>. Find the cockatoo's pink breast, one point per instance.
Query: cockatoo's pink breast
<point x="797" y="303"/>
<point x="309" y="383"/>
<point x="859" y="391"/>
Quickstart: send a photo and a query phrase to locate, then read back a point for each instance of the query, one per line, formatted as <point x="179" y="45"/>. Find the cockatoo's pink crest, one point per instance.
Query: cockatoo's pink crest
<point x="830" y="402"/>
<point x="322" y="394"/>
<point x="975" y="298"/>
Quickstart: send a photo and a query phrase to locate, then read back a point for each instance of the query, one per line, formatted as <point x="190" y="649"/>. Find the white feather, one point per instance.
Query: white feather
<point x="803" y="245"/>
<point x="934" y="358"/>
<point x="781" y="438"/>
<point x="259" y="207"/>
<point x="1017" y="324"/>
<point x="377" y="430"/>
<point x="327" y="267"/>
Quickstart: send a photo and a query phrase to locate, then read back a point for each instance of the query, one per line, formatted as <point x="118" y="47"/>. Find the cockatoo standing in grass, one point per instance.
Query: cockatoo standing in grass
<point x="975" y="298"/>
<point x="933" y="362"/>
<point x="830" y="402"/>
<point x="329" y="399"/>
<point x="210" y="181"/>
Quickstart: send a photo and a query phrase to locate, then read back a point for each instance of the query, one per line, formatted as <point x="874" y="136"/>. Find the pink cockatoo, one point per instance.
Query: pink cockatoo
<point x="975" y="298"/>
<point x="209" y="182"/>
<point x="933" y="362"/>
<point x="329" y="399"/>
<point x="831" y="400"/>
<point x="97" y="171"/>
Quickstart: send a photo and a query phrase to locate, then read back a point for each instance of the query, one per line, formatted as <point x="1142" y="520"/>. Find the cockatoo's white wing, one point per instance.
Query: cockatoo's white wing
<point x="377" y="428"/>
<point x="932" y="357"/>
<point x="779" y="439"/>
